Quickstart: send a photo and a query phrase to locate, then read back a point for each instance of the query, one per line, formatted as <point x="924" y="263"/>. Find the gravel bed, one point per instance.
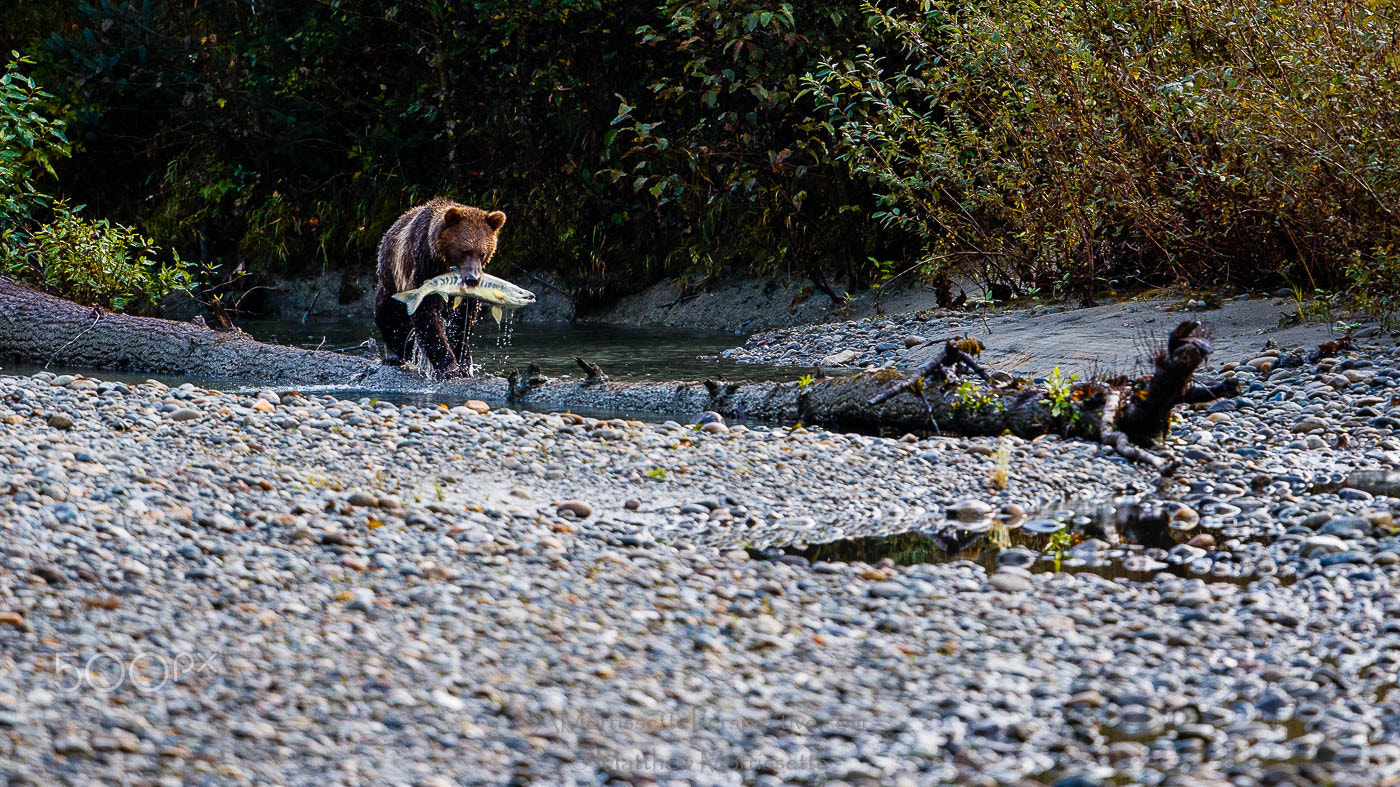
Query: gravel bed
<point x="1112" y="337"/>
<point x="236" y="588"/>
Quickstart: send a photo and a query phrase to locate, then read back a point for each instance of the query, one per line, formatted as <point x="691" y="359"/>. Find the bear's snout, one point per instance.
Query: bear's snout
<point x="470" y="274"/>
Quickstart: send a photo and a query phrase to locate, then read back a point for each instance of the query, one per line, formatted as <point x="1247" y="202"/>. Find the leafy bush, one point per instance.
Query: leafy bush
<point x="30" y="143"/>
<point x="91" y="262"/>
<point x="725" y="142"/>
<point x="1070" y="144"/>
<point x="292" y="138"/>
<point x="1375" y="280"/>
<point x="97" y="263"/>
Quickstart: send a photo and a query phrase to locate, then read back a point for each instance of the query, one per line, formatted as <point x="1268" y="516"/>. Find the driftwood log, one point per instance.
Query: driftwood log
<point x="952" y="394"/>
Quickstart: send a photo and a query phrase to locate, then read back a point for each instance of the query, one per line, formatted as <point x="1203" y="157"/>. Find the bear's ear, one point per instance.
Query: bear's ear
<point x="495" y="220"/>
<point x="452" y="216"/>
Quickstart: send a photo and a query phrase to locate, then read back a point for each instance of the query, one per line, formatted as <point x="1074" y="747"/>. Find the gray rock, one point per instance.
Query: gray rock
<point x="1009" y="582"/>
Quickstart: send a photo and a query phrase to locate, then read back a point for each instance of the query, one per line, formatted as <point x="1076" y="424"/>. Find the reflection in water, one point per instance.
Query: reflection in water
<point x="1377" y="482"/>
<point x="1139" y="533"/>
<point x="624" y="353"/>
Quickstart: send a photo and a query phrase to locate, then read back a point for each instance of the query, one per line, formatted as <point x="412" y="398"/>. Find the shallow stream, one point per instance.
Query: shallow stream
<point x="623" y="353"/>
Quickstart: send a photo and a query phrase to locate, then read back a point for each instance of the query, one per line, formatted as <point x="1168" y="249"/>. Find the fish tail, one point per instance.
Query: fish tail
<point x="413" y="299"/>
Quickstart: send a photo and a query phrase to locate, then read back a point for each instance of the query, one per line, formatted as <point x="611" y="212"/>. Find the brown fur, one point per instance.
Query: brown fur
<point x="452" y="228"/>
<point x="427" y="241"/>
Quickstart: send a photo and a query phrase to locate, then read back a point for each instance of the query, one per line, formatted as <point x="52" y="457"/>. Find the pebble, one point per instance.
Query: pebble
<point x="394" y="598"/>
<point x="1009" y="582"/>
<point x="363" y="500"/>
<point x="969" y="510"/>
<point x="577" y="508"/>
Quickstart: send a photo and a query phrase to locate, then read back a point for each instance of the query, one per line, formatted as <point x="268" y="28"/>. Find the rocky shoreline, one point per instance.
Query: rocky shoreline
<point x="242" y="587"/>
<point x="1112" y="337"/>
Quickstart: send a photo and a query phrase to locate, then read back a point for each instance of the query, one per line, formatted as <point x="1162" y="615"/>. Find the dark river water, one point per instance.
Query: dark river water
<point x="624" y="353"/>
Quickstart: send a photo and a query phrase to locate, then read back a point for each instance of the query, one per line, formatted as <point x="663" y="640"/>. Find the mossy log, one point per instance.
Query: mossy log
<point x="951" y="395"/>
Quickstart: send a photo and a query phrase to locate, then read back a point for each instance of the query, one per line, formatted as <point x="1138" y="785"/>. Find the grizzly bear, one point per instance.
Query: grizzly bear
<point x="427" y="241"/>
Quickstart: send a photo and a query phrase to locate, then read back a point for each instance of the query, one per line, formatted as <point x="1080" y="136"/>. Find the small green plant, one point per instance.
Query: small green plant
<point x="999" y="535"/>
<point x="1059" y="393"/>
<point x="804" y="381"/>
<point x="657" y="474"/>
<point x="972" y="397"/>
<point x="1056" y="545"/>
<point x="1320" y="308"/>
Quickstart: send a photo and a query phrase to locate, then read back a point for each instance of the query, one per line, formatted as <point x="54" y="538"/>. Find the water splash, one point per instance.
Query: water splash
<point x="504" y="334"/>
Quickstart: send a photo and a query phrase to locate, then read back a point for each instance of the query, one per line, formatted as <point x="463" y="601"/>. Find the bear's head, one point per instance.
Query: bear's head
<point x="466" y="240"/>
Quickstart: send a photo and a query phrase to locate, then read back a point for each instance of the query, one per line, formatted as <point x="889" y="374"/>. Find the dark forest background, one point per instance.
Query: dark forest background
<point x="1036" y="147"/>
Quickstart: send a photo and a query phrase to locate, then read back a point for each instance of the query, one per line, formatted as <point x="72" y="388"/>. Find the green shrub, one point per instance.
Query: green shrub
<point x="1375" y="280"/>
<point x="97" y="263"/>
<point x="30" y="143"/>
<point x="92" y="262"/>
<point x="1075" y="144"/>
<point x="293" y="139"/>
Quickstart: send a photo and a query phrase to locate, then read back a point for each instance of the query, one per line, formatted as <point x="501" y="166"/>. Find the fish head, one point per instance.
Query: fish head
<point x="500" y="291"/>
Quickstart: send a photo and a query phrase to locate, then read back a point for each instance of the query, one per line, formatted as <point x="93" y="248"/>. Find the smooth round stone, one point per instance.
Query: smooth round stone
<point x="1016" y="556"/>
<point x="969" y="510"/>
<point x="1043" y="526"/>
<point x="1009" y="582"/>
<point x="578" y="508"/>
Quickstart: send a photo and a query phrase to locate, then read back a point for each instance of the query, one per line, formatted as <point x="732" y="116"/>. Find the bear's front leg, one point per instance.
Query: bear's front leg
<point x="428" y="333"/>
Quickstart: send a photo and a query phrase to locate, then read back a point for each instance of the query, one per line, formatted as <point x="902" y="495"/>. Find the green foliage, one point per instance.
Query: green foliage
<point x="1057" y="543"/>
<point x="96" y="263"/>
<point x="1065" y="144"/>
<point x="727" y="145"/>
<point x="30" y="143"/>
<point x="1035" y="146"/>
<point x="657" y="474"/>
<point x="1375" y="280"/>
<point x="92" y="262"/>
<point x="291" y="136"/>
<point x="1059" y="394"/>
<point x="972" y="397"/>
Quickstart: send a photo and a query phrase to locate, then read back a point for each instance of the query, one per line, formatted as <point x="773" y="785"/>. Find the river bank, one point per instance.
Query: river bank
<point x="1116" y="337"/>
<point x="785" y="322"/>
<point x="740" y="306"/>
<point x="301" y="588"/>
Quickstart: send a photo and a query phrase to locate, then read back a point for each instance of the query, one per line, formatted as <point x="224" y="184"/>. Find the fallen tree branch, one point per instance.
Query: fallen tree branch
<point x="957" y="353"/>
<point x="1127" y="416"/>
<point x="594" y="371"/>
